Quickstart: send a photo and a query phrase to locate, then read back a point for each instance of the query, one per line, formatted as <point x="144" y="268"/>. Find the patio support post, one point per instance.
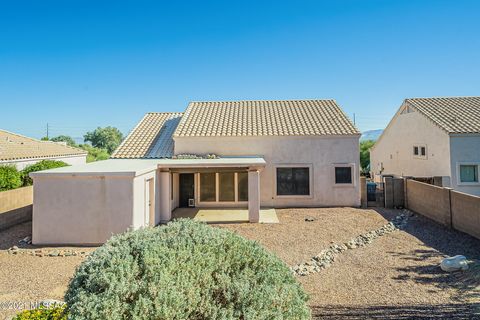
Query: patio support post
<point x="164" y="192"/>
<point x="253" y="195"/>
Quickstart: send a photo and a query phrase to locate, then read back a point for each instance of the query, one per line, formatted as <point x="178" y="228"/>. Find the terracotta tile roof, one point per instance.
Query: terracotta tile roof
<point x="264" y="118"/>
<point x="454" y="115"/>
<point x="16" y="147"/>
<point x="151" y="138"/>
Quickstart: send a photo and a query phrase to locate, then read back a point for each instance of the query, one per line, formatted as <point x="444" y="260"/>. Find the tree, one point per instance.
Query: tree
<point x="95" y="154"/>
<point x="365" y="154"/>
<point x="62" y="138"/>
<point x="108" y="138"/>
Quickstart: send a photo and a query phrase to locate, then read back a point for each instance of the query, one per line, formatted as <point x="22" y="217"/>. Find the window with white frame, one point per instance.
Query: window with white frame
<point x="420" y="151"/>
<point x="293" y="181"/>
<point x="468" y="173"/>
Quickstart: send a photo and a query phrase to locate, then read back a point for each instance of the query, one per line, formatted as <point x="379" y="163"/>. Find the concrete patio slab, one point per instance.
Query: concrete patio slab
<point x="223" y="215"/>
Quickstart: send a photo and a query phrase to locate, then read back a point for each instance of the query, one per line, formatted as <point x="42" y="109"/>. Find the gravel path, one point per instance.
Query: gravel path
<point x="395" y="277"/>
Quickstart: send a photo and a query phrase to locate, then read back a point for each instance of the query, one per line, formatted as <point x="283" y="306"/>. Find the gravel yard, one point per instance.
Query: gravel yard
<point x="395" y="277"/>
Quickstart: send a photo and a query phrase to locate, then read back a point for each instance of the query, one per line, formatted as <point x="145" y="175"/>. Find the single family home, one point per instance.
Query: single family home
<point x="432" y="137"/>
<point x="22" y="151"/>
<point x="229" y="154"/>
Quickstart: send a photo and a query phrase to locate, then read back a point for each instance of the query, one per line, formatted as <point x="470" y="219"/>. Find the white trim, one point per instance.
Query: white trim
<point x="352" y="172"/>
<point x="293" y="165"/>
<point x="459" y="182"/>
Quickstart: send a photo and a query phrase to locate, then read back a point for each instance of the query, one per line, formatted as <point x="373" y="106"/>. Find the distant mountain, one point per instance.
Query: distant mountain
<point x="371" y="135"/>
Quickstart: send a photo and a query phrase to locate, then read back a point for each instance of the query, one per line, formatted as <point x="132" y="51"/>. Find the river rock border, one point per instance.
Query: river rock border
<point x="47" y="252"/>
<point x="326" y="257"/>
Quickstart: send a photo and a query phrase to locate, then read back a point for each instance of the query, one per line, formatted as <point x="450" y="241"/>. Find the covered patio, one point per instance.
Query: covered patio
<point x="218" y="189"/>
<point x="224" y="215"/>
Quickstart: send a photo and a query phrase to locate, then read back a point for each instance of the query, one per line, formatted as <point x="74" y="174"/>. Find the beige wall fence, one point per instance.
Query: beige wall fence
<point x="15" y="206"/>
<point x="451" y="208"/>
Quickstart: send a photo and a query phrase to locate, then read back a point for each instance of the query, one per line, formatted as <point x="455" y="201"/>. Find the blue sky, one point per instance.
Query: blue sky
<point x="81" y="64"/>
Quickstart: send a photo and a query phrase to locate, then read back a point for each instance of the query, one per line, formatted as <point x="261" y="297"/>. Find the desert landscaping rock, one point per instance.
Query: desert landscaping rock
<point x="455" y="263"/>
<point x="326" y="257"/>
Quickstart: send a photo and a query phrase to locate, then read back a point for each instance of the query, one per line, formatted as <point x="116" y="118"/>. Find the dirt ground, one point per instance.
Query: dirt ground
<point x="395" y="277"/>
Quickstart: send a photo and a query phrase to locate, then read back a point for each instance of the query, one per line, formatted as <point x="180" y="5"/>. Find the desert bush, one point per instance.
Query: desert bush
<point x="10" y="178"/>
<point x="39" y="166"/>
<point x="95" y="154"/>
<point x="54" y="312"/>
<point x="184" y="270"/>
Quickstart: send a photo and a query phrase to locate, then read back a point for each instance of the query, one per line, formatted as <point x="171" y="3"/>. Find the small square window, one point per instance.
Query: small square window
<point x="343" y="175"/>
<point x="415" y="150"/>
<point x="468" y="173"/>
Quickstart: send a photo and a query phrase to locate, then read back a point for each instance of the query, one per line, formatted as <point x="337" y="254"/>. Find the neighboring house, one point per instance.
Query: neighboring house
<point x="22" y="151"/>
<point x="432" y="137"/>
<point x="299" y="153"/>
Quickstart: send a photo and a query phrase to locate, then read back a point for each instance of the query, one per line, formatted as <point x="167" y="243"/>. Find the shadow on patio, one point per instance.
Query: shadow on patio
<point x="223" y="215"/>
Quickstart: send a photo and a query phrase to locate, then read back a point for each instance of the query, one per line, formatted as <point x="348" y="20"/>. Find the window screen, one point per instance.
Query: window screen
<point x="343" y="174"/>
<point x="293" y="181"/>
<point x="227" y="186"/>
<point x="468" y="173"/>
<point x="207" y="187"/>
<point x="243" y="186"/>
<point x="423" y="151"/>
<point x="415" y="151"/>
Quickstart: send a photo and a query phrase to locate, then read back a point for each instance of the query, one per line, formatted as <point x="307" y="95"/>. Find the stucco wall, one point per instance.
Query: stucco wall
<point x="321" y="153"/>
<point x="72" y="160"/>
<point x="464" y="149"/>
<point x="395" y="148"/>
<point x="81" y="209"/>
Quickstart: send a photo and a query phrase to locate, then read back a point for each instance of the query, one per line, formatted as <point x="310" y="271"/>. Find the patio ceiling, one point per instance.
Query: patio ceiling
<point x="221" y="163"/>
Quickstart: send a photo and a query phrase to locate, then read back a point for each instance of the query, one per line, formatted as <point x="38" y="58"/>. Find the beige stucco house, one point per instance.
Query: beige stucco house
<point x="22" y="151"/>
<point x="432" y="137"/>
<point x="238" y="154"/>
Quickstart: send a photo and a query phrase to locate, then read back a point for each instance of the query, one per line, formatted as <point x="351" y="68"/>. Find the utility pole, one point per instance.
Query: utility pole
<point x="354" y="118"/>
<point x="47" y="131"/>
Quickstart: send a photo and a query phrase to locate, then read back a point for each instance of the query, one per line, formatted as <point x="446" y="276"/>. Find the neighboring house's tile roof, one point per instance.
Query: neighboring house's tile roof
<point x="454" y="115"/>
<point x="151" y="138"/>
<point x="264" y="118"/>
<point x="17" y="147"/>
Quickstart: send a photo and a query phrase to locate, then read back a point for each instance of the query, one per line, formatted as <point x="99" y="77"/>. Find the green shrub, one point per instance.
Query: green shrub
<point x="43" y="313"/>
<point x="184" y="270"/>
<point x="39" y="166"/>
<point x="10" y="178"/>
<point x="95" y="154"/>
